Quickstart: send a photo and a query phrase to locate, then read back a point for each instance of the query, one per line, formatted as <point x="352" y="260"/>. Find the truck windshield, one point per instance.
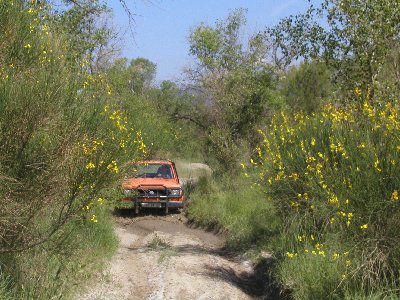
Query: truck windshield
<point x="151" y="171"/>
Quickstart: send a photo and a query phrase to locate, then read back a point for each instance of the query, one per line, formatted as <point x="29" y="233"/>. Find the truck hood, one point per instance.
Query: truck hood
<point x="134" y="183"/>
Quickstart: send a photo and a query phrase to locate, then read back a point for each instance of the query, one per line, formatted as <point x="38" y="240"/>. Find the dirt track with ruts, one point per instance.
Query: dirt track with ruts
<point x="161" y="257"/>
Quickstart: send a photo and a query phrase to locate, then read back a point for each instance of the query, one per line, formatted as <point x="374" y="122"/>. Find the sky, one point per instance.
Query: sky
<point x="161" y="28"/>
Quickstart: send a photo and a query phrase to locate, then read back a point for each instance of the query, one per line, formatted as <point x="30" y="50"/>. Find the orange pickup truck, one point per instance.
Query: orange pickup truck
<point x="153" y="183"/>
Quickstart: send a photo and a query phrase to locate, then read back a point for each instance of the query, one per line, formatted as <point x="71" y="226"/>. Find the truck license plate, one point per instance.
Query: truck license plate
<point x="151" y="205"/>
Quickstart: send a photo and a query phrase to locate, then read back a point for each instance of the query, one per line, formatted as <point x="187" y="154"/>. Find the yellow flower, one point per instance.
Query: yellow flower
<point x="94" y="218"/>
<point x="90" y="166"/>
<point x="333" y="200"/>
<point x="376" y="165"/>
<point x="291" y="255"/>
<point x="319" y="246"/>
<point x="365" y="226"/>
<point x="348" y="263"/>
<point x="301" y="238"/>
<point x="295" y="204"/>
<point x="28" y="46"/>
<point x="113" y="167"/>
<point x="395" y="196"/>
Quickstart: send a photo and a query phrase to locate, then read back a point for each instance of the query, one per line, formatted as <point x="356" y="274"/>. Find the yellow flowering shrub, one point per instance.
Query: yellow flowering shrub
<point x="335" y="175"/>
<point x="60" y="151"/>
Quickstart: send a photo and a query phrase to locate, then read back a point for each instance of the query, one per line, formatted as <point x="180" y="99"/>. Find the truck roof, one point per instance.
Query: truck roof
<point x="150" y="162"/>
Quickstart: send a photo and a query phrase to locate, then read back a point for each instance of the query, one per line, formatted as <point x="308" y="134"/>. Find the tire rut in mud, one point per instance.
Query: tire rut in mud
<point x="160" y="257"/>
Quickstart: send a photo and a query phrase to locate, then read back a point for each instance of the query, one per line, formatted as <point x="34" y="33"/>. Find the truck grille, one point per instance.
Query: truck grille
<point x="152" y="192"/>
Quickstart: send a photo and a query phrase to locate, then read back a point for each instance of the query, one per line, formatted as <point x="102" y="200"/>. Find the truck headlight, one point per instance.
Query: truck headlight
<point x="175" y="192"/>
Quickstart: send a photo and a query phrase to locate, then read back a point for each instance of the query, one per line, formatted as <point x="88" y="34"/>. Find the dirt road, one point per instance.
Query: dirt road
<point x="160" y="257"/>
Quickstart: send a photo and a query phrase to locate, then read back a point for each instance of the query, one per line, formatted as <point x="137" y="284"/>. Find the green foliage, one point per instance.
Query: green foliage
<point x="237" y="87"/>
<point x="150" y="108"/>
<point x="59" y="146"/>
<point x="62" y="141"/>
<point x="333" y="179"/>
<point x="219" y="47"/>
<point x="307" y="86"/>
<point x="135" y="77"/>
<point x="141" y="74"/>
<point x="354" y="37"/>
<point x="82" y="23"/>
<point x="312" y="277"/>
<point x="56" y="270"/>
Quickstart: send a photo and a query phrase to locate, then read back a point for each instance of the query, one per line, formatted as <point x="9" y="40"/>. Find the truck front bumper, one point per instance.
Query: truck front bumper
<point x="145" y="202"/>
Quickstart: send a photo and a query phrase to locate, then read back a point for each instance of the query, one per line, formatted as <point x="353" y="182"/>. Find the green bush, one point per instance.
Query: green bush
<point x="60" y="267"/>
<point x="63" y="139"/>
<point x="333" y="178"/>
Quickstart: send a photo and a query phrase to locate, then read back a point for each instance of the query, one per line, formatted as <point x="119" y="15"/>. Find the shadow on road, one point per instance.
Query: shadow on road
<point x="259" y="283"/>
<point x="130" y="213"/>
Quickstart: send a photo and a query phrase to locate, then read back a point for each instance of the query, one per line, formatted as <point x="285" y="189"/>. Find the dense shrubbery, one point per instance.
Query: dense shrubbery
<point x="63" y="140"/>
<point x="150" y="108"/>
<point x="328" y="203"/>
<point x="328" y="157"/>
<point x="333" y="177"/>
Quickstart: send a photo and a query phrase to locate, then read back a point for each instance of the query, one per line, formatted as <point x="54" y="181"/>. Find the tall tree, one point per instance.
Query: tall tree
<point x="354" y="37"/>
<point x="233" y="84"/>
<point x="134" y="76"/>
<point x="141" y="74"/>
<point x="307" y="86"/>
<point x="86" y="25"/>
